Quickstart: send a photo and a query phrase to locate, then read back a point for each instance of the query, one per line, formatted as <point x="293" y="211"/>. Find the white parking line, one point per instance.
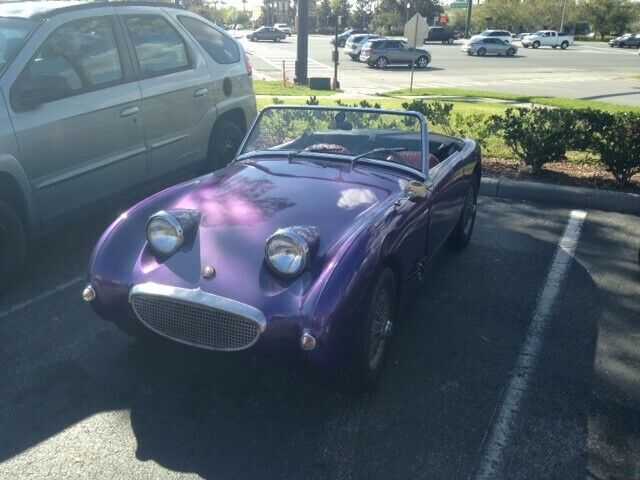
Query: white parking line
<point x="42" y="296"/>
<point x="502" y="429"/>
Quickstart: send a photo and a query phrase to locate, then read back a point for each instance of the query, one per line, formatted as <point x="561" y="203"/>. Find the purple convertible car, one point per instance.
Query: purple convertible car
<point x="310" y="238"/>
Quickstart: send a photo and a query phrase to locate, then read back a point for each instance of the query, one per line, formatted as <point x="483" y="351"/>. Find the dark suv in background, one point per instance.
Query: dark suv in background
<point x="383" y="52"/>
<point x="442" y="34"/>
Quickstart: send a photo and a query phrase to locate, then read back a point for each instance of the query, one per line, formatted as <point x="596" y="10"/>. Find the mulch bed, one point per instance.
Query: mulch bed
<point x="562" y="173"/>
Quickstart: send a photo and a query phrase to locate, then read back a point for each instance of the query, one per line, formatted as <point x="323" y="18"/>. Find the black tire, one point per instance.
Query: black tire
<point x="554" y="46"/>
<point x="564" y="45"/>
<point x="461" y="234"/>
<point x="450" y="41"/>
<point x="481" y="52"/>
<point x="382" y="62"/>
<point x="511" y="52"/>
<point x="361" y="371"/>
<point x="254" y="38"/>
<point x="525" y="46"/>
<point x="13" y="246"/>
<point x="536" y="44"/>
<point x="423" y="61"/>
<point x="225" y="140"/>
<point x="470" y="53"/>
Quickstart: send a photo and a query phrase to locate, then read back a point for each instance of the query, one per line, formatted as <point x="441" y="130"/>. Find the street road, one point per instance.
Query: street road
<point x="79" y="399"/>
<point x="587" y="70"/>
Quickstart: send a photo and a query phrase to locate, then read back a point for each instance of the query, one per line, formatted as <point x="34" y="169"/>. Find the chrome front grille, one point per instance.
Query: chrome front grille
<point x="197" y="318"/>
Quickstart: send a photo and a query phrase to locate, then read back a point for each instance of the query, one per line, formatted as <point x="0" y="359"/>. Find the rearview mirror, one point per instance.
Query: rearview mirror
<point x="40" y="89"/>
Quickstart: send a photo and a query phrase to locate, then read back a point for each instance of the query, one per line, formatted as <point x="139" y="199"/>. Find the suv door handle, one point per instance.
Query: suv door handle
<point x="129" y="112"/>
<point x="202" y="92"/>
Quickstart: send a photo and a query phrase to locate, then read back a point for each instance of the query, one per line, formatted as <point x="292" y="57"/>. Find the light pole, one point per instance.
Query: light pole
<point x="408" y="7"/>
<point x="564" y="10"/>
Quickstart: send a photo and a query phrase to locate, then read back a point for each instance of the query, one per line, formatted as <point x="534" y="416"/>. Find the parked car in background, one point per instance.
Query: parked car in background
<point x="441" y="34"/>
<point x="547" y="38"/>
<point x="354" y="44"/>
<point x="91" y="112"/>
<point x="342" y="38"/>
<point x="266" y="33"/>
<point x="628" y="40"/>
<point x="311" y="240"/>
<point x="283" y="27"/>
<point x="501" y="34"/>
<point x="382" y="53"/>
<point x="489" y="46"/>
<point x="520" y="36"/>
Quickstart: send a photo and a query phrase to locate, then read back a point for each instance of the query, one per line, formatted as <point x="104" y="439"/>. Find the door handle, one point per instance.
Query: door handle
<point x="129" y="112"/>
<point x="202" y="92"/>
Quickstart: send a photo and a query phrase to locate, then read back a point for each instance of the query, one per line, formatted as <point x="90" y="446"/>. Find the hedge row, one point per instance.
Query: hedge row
<point x="541" y="135"/>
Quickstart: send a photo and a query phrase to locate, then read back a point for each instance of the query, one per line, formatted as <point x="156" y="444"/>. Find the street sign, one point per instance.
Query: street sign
<point x="462" y="5"/>
<point x="416" y="30"/>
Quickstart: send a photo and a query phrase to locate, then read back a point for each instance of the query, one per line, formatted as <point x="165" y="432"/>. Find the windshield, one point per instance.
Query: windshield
<point x="340" y="132"/>
<point x="13" y="33"/>
<point x="485" y="33"/>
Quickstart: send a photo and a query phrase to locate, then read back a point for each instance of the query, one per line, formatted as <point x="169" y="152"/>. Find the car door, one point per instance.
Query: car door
<point x="175" y="87"/>
<point x="490" y="45"/>
<point x="75" y="108"/>
<point x="449" y="188"/>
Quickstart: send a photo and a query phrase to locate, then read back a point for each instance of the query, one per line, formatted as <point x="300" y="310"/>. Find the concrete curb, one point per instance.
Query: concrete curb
<point x="586" y="198"/>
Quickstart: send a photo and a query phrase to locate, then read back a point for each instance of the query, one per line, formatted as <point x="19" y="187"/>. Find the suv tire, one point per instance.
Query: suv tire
<point x="536" y="44"/>
<point x="381" y="62"/>
<point x="481" y="52"/>
<point x="564" y="45"/>
<point x="225" y="140"/>
<point x="254" y="38"/>
<point x="13" y="246"/>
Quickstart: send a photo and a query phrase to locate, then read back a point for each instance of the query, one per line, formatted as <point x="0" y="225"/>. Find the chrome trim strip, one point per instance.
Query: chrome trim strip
<point x="89" y="168"/>
<point x="198" y="297"/>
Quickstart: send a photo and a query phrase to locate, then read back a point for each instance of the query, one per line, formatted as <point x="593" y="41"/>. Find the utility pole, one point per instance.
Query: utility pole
<point x="468" y="25"/>
<point x="564" y="10"/>
<point x="303" y="43"/>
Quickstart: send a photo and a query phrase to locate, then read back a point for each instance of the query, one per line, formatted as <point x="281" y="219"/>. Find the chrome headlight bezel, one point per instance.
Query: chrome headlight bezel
<point x="302" y="239"/>
<point x="171" y="221"/>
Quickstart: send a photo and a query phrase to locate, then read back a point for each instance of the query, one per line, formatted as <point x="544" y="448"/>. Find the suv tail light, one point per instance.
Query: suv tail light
<point x="247" y="62"/>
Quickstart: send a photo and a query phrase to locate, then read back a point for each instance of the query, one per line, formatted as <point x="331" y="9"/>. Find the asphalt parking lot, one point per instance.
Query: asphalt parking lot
<point x="81" y="400"/>
<point x="588" y="70"/>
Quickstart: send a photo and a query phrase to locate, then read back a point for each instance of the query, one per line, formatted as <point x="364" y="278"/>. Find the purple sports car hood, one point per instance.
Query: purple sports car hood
<point x="244" y="204"/>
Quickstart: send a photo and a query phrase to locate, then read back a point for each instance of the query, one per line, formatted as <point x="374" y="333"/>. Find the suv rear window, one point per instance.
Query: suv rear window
<point x="220" y="47"/>
<point x="159" y="48"/>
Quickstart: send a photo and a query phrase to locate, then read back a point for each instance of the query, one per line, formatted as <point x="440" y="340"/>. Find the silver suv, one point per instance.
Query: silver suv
<point x="100" y="101"/>
<point x="382" y="53"/>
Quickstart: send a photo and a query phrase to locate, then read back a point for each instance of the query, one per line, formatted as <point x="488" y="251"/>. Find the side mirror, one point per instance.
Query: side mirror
<point x="41" y="89"/>
<point x="418" y="190"/>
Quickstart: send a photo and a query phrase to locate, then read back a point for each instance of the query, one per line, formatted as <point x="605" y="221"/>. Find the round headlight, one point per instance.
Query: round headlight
<point x="164" y="233"/>
<point x="287" y="253"/>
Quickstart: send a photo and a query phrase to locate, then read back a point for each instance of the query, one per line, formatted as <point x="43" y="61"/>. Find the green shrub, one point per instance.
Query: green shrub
<point x="476" y="126"/>
<point x="437" y="113"/>
<point x="277" y="101"/>
<point x="313" y="100"/>
<point x="537" y="135"/>
<point x="617" y="140"/>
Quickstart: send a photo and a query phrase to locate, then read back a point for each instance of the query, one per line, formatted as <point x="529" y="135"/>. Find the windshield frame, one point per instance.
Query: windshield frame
<point x="424" y="136"/>
<point x="35" y="24"/>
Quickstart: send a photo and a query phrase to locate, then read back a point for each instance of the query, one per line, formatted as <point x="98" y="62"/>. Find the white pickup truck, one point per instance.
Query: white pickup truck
<point x="547" y="38"/>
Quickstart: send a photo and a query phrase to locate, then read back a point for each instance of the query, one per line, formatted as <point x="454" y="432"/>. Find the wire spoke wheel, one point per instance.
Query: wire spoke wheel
<point x="379" y="329"/>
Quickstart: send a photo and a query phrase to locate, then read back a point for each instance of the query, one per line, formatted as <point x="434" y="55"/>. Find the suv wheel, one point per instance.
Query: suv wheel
<point x="564" y="45"/>
<point x="450" y="41"/>
<point x="254" y="38"/>
<point x="13" y="246"/>
<point x="225" y="141"/>
<point x="381" y="62"/>
<point x="536" y="44"/>
<point x="481" y="52"/>
<point x="511" y="52"/>
<point x="423" y="61"/>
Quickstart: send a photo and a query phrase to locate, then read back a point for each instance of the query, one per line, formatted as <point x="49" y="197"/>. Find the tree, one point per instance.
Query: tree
<point x="606" y="16"/>
<point x="398" y="11"/>
<point x="323" y="10"/>
<point x="362" y="14"/>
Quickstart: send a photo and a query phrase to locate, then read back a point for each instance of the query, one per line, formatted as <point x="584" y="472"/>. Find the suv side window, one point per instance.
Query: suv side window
<point x="159" y="47"/>
<point x="219" y="47"/>
<point x="77" y="57"/>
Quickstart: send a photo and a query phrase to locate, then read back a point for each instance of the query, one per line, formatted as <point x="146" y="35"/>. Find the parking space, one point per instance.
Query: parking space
<point x="79" y="398"/>
<point x="599" y="72"/>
